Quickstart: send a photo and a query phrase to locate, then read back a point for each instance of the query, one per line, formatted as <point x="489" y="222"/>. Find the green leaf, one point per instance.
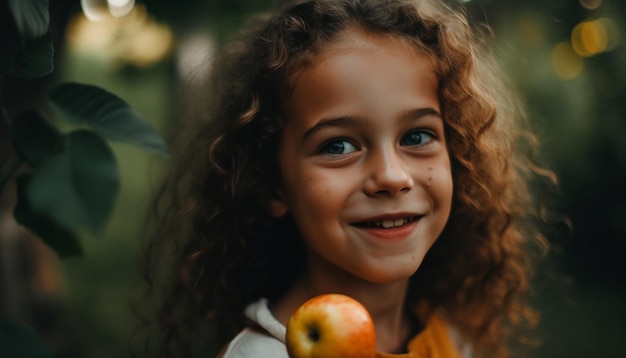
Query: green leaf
<point x="59" y="238"/>
<point x="34" y="136"/>
<point x="17" y="340"/>
<point x="31" y="16"/>
<point x="106" y="113"/>
<point x="77" y="186"/>
<point x="36" y="58"/>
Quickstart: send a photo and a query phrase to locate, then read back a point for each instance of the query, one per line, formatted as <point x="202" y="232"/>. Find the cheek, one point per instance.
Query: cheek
<point x="320" y="193"/>
<point x="438" y="182"/>
<point x="302" y="184"/>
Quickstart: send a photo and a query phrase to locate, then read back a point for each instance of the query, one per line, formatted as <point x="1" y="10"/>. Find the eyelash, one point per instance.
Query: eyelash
<point x="324" y="149"/>
<point x="326" y="146"/>
<point x="432" y="136"/>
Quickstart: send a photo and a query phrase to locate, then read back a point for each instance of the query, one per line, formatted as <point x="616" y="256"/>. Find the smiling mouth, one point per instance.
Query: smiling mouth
<point x="387" y="224"/>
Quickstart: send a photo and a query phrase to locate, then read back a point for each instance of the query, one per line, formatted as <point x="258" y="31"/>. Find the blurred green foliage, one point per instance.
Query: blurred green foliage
<point x="65" y="182"/>
<point x="580" y="121"/>
<point x="100" y="287"/>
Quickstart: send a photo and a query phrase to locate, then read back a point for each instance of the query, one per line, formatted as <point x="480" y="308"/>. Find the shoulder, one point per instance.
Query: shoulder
<point x="462" y="345"/>
<point x="440" y="338"/>
<point x="264" y="336"/>
<point x="252" y="343"/>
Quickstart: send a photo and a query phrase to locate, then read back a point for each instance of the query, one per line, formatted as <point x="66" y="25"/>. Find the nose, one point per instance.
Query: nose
<point x="388" y="174"/>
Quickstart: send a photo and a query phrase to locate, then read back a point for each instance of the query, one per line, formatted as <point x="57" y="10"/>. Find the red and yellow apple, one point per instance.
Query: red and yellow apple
<point x="331" y="326"/>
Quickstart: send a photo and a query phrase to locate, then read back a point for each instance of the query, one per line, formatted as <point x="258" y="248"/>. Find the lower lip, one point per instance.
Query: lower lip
<point x="391" y="234"/>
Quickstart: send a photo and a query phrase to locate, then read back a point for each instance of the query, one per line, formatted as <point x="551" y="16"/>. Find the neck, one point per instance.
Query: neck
<point x="384" y="301"/>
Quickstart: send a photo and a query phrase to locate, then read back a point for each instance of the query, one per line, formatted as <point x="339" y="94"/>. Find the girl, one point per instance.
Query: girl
<point x="363" y="147"/>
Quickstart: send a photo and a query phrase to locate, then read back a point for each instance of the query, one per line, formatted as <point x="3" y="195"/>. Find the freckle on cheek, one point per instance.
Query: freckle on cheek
<point x="430" y="177"/>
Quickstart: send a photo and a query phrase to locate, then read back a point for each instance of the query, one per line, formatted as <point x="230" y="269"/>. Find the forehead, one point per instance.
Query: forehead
<point x="354" y="58"/>
<point x="363" y="76"/>
<point x="355" y="37"/>
<point x="346" y="42"/>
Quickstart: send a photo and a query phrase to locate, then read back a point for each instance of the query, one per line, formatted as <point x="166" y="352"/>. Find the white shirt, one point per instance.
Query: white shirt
<point x="253" y="343"/>
<point x="270" y="343"/>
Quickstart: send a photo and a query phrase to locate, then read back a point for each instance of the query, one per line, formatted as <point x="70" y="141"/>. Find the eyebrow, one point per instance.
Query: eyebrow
<point x="420" y="112"/>
<point x="347" y="121"/>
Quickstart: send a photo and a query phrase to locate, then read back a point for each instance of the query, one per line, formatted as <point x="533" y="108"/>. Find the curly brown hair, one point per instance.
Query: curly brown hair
<point x="222" y="249"/>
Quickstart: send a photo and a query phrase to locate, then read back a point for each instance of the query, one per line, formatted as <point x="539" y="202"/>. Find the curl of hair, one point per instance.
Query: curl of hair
<point x="213" y="210"/>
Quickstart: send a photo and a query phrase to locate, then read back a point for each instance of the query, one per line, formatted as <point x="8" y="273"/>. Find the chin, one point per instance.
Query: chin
<point x="385" y="276"/>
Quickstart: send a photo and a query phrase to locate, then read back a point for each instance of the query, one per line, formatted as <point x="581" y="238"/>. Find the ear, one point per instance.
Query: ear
<point x="278" y="207"/>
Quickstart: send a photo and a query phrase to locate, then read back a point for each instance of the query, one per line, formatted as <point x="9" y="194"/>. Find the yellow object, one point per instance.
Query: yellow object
<point x="433" y="342"/>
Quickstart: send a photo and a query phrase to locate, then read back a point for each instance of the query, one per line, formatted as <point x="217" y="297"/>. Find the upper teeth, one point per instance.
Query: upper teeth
<point x="391" y="223"/>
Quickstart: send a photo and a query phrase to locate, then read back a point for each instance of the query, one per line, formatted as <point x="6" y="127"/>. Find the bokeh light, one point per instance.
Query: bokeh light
<point x="613" y="33"/>
<point x="120" y="8"/>
<point x="531" y="31"/>
<point x="94" y="10"/>
<point x="120" y="3"/>
<point x="195" y="55"/>
<point x="590" y="4"/>
<point x="590" y="38"/>
<point x="136" y="39"/>
<point x="98" y="10"/>
<point x="565" y="62"/>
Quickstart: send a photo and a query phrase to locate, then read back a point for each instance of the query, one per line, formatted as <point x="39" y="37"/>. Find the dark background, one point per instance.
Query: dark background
<point x="575" y="101"/>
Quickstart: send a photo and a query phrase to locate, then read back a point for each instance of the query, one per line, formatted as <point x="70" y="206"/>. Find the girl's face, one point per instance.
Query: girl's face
<point x="364" y="164"/>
